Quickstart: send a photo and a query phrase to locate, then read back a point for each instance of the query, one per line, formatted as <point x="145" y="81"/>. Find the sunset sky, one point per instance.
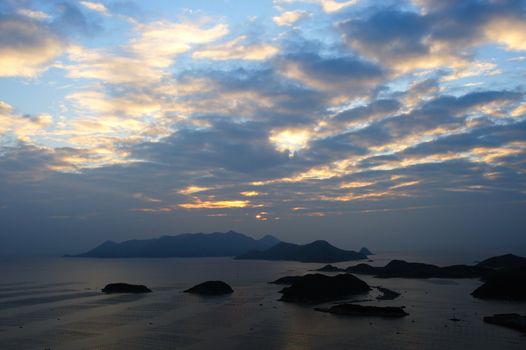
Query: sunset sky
<point x="391" y="124"/>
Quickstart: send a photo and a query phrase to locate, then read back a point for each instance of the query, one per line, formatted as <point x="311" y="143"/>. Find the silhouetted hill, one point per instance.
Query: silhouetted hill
<point x="403" y="269"/>
<point x="506" y="284"/>
<point x="506" y="261"/>
<point x="211" y="288"/>
<point x="317" y="251"/>
<point x="318" y="288"/>
<point x="184" y="245"/>
<point x="365" y="251"/>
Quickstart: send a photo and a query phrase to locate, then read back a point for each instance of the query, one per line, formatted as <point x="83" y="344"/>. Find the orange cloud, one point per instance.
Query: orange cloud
<point x="215" y="204"/>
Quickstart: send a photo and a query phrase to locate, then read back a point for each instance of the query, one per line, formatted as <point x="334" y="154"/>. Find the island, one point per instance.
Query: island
<point x="365" y="251"/>
<point x="330" y="268"/>
<point x="403" y="269"/>
<point x="318" y="288"/>
<point x="387" y="294"/>
<point x="507" y="261"/>
<point x="215" y="244"/>
<point x="125" y="288"/>
<point x="211" y="288"/>
<point x="504" y="284"/>
<point x="513" y="321"/>
<point x="317" y="251"/>
<point x="361" y="310"/>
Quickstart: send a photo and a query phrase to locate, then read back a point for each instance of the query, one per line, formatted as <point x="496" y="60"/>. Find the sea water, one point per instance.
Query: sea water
<point x="56" y="303"/>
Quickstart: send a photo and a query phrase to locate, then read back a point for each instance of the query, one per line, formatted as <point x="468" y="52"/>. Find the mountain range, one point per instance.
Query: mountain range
<point x="317" y="251"/>
<point x="184" y="245"/>
<point x="222" y="244"/>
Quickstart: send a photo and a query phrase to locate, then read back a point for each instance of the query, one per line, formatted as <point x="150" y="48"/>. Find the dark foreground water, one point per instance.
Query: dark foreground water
<point x="55" y="303"/>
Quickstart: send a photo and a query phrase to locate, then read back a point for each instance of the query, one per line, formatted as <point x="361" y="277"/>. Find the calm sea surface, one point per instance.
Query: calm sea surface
<point x="55" y="303"/>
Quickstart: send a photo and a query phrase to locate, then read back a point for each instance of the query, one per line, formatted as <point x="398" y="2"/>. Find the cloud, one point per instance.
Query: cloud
<point x="231" y="146"/>
<point x="36" y="15"/>
<point x="27" y="48"/>
<point x="215" y="204"/>
<point x="23" y="127"/>
<point x="145" y="58"/>
<point x="348" y="74"/>
<point x="290" y="140"/>
<point x="288" y="18"/>
<point x="386" y="112"/>
<point x="331" y="6"/>
<point x="159" y="42"/>
<point x="193" y="189"/>
<point x="96" y="6"/>
<point x="235" y="50"/>
<point x="328" y="6"/>
<point x="439" y="36"/>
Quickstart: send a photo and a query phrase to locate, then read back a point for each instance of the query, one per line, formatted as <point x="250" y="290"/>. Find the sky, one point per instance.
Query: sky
<point x="396" y="125"/>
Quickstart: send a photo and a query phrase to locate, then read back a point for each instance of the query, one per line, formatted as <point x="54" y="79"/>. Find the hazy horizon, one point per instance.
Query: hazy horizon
<point x="395" y="125"/>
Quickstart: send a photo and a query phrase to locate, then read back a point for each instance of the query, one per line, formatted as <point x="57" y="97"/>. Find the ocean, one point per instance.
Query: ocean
<point x="56" y="303"/>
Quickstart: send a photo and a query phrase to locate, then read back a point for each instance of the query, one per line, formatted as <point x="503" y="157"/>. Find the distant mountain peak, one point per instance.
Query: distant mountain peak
<point x="365" y="251"/>
<point x="320" y="243"/>
<point x="269" y="238"/>
<point x="317" y="251"/>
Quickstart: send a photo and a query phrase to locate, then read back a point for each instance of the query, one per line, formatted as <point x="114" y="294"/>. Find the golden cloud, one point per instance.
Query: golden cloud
<point x="234" y="49"/>
<point x="216" y="204"/>
<point x="288" y="18"/>
<point x="29" y="49"/>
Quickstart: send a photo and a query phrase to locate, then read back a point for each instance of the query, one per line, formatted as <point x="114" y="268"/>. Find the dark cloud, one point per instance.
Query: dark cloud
<point x="266" y="96"/>
<point x="399" y="38"/>
<point x="350" y="73"/>
<point x="238" y="147"/>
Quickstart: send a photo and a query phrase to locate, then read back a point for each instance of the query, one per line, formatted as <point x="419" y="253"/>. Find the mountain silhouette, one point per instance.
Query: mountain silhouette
<point x="184" y="245"/>
<point x="317" y="251"/>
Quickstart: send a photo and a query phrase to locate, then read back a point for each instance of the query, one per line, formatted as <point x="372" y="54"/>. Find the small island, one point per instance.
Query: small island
<point x="330" y="268"/>
<point x="211" y="288"/>
<point x="318" y="288"/>
<point x="361" y="310"/>
<point x="387" y="294"/>
<point x="125" y="288"/>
